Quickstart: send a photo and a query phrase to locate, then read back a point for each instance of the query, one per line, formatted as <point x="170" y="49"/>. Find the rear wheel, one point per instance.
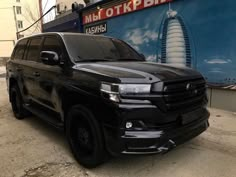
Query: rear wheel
<point x="85" y="137"/>
<point x="17" y="103"/>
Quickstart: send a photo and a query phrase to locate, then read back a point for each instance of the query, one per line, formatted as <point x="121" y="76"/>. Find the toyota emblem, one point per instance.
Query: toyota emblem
<point x="188" y="86"/>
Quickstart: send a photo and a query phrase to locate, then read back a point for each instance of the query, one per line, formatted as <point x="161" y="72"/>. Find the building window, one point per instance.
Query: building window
<point x="19" y="24"/>
<point x="18" y="10"/>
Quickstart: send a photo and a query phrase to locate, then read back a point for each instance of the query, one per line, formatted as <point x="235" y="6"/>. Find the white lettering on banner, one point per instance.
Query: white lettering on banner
<point x="95" y="17"/>
<point x="127" y="7"/>
<point x="122" y="8"/>
<point x="109" y="12"/>
<point x="88" y="18"/>
<point x="157" y="2"/>
<point x="97" y="29"/>
<point x="136" y="3"/>
<point x="117" y="8"/>
<point x="104" y="28"/>
<point x="148" y="3"/>
<point x="163" y="1"/>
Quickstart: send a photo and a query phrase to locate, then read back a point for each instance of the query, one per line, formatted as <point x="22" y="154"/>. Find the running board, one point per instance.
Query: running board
<point x="46" y="115"/>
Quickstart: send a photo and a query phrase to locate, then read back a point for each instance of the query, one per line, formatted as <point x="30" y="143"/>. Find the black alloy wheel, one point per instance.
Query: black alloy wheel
<point x="85" y="137"/>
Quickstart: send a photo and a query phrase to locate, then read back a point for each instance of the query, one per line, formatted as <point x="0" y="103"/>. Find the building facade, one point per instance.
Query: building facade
<point x="65" y="5"/>
<point x="16" y="15"/>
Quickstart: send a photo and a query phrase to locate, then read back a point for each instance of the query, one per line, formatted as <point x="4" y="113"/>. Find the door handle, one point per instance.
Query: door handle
<point x="36" y="74"/>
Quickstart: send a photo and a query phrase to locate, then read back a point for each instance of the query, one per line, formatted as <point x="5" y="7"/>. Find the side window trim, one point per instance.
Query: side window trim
<point x="26" y="47"/>
<point x="27" y="50"/>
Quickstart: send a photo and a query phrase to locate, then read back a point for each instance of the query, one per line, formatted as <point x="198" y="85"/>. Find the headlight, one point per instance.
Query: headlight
<point x="113" y="91"/>
<point x="125" y="89"/>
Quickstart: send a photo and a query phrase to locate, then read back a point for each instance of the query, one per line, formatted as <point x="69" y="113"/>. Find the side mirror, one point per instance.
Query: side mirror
<point x="49" y="57"/>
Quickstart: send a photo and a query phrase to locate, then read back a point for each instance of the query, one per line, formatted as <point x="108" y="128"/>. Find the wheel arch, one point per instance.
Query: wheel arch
<point x="12" y="82"/>
<point x="71" y="98"/>
<point x="101" y="110"/>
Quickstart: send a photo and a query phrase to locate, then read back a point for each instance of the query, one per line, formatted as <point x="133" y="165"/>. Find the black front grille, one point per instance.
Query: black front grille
<point x="184" y="94"/>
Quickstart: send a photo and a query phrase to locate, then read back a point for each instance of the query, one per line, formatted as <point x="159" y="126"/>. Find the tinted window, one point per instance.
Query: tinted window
<point x="20" y="49"/>
<point x="33" y="49"/>
<point x="52" y="44"/>
<point x="83" y="47"/>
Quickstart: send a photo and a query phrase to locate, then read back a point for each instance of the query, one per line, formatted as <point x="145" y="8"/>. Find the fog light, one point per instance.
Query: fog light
<point x="114" y="97"/>
<point x="129" y="125"/>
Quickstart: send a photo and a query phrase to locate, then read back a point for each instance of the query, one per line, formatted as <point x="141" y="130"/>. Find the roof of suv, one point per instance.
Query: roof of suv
<point x="62" y="34"/>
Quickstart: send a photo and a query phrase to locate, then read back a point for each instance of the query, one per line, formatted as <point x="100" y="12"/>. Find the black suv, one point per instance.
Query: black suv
<point x="105" y="96"/>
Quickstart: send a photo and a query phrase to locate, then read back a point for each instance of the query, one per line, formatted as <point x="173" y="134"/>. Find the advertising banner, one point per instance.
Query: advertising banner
<point x="186" y="33"/>
<point x="120" y="9"/>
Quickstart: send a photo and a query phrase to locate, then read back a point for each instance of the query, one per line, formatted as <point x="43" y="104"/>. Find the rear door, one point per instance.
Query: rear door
<point x="31" y="71"/>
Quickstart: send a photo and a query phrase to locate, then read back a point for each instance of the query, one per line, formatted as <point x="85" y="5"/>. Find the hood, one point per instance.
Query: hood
<point x="137" y="71"/>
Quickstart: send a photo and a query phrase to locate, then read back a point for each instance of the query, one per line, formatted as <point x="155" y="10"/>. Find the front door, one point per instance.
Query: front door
<point x="47" y="84"/>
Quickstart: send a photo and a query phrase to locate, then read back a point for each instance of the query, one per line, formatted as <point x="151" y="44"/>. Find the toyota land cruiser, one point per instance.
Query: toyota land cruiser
<point x="105" y="96"/>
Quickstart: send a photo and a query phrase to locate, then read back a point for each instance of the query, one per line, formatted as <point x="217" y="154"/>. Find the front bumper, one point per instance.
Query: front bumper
<point x="154" y="140"/>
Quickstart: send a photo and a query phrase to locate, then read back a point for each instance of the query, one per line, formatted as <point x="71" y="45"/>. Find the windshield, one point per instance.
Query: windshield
<point x="85" y="48"/>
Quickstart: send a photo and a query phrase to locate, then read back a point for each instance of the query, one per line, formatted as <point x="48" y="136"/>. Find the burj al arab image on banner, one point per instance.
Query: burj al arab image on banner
<point x="174" y="46"/>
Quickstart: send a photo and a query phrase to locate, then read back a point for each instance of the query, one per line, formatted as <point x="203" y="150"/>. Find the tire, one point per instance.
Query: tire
<point x="17" y="103"/>
<point x="85" y="137"/>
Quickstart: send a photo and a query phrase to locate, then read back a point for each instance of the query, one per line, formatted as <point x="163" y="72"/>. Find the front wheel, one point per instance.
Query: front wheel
<point x="85" y="137"/>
